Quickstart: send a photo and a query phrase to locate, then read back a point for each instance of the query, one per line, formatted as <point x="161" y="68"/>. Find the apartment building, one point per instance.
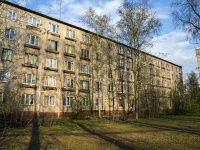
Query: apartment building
<point x="60" y="68"/>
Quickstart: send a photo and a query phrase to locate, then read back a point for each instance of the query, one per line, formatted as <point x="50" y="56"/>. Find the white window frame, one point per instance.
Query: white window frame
<point x="51" y="63"/>
<point x="84" y="68"/>
<point x="129" y="65"/>
<point x="27" y="99"/>
<point x="84" y="84"/>
<point x="98" y="86"/>
<point x="85" y="101"/>
<point x="129" y="53"/>
<point x="25" y="79"/>
<point x="121" y="50"/>
<point x="70" y="65"/>
<point x="70" y="34"/>
<point x="7" y="54"/>
<point x="4" y="76"/>
<point x="121" y="62"/>
<point x="70" y="49"/>
<point x="68" y="101"/>
<point x="50" y="81"/>
<point x="9" y="34"/>
<point x="32" y="40"/>
<point x="53" y="28"/>
<point x="85" y="53"/>
<point x="11" y="14"/>
<point x="49" y="101"/>
<point x="50" y="47"/>
<point x="33" y="21"/>
<point x="30" y="59"/>
<point x="68" y="83"/>
<point x="110" y="87"/>
<point x="86" y="38"/>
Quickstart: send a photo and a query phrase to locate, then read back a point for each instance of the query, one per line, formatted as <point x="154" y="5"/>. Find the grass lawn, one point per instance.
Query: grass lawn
<point x="167" y="132"/>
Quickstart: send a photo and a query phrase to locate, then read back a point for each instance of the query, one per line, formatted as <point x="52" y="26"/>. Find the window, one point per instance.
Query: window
<point x="85" y="101"/>
<point x="130" y="89"/>
<point x="120" y="75"/>
<point x="110" y="87"/>
<point x="52" y="45"/>
<point x="120" y="88"/>
<point x="30" y="59"/>
<point x="67" y="101"/>
<point x="50" y="81"/>
<point x="32" y="40"/>
<point x="85" y="69"/>
<point x="121" y="50"/>
<point x="28" y="79"/>
<point x="84" y="85"/>
<point x="4" y="75"/>
<point x="121" y="62"/>
<point x="28" y="99"/>
<point x="109" y="73"/>
<point x="32" y="21"/>
<point x="97" y="102"/>
<point x="86" y="38"/>
<point x="53" y="28"/>
<point x="68" y="83"/>
<point x="109" y="46"/>
<point x="129" y="65"/>
<point x="52" y="63"/>
<point x="70" y="34"/>
<point x="129" y="53"/>
<point x="98" y="57"/>
<point x="70" y="49"/>
<point x="7" y="54"/>
<point x="98" y="86"/>
<point x="70" y="65"/>
<point x="11" y="14"/>
<point x="9" y="34"/>
<point x="85" y="53"/>
<point x="129" y="77"/>
<point x="49" y="100"/>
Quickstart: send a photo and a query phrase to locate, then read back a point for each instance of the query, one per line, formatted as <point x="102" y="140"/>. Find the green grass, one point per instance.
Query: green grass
<point x="166" y="132"/>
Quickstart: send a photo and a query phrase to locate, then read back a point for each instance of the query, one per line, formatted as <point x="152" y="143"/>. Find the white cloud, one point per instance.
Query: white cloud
<point x="178" y="50"/>
<point x="72" y="10"/>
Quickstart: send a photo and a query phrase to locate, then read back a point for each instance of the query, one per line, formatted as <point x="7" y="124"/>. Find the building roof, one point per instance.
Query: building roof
<point x="82" y="29"/>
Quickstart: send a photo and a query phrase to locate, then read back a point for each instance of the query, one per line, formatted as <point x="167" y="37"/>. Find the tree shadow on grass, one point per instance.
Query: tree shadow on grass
<point x="117" y="143"/>
<point x="35" y="138"/>
<point x="169" y="128"/>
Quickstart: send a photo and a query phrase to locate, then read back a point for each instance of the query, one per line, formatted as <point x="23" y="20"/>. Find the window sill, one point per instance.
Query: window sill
<point x="32" y="46"/>
<point x="84" y="58"/>
<point x="67" y="71"/>
<point x="120" y="54"/>
<point x="84" y="74"/>
<point x="130" y="57"/>
<point x="71" y="39"/>
<point x="28" y="86"/>
<point x="128" y="69"/>
<point x="33" y="27"/>
<point x="68" y="89"/>
<point x="51" y="69"/>
<point x="122" y="67"/>
<point x="49" y="88"/>
<point x="30" y="65"/>
<point x="84" y="90"/>
<point x="71" y="55"/>
<point x="54" y="34"/>
<point x="4" y="60"/>
<point x="52" y="51"/>
<point x="88" y="44"/>
<point x="121" y="80"/>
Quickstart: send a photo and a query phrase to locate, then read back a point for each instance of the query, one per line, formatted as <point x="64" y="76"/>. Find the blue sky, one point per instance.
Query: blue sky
<point x="171" y="41"/>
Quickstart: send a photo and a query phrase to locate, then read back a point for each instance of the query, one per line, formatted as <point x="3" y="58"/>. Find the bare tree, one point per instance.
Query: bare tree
<point x="186" y="15"/>
<point x="137" y="25"/>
